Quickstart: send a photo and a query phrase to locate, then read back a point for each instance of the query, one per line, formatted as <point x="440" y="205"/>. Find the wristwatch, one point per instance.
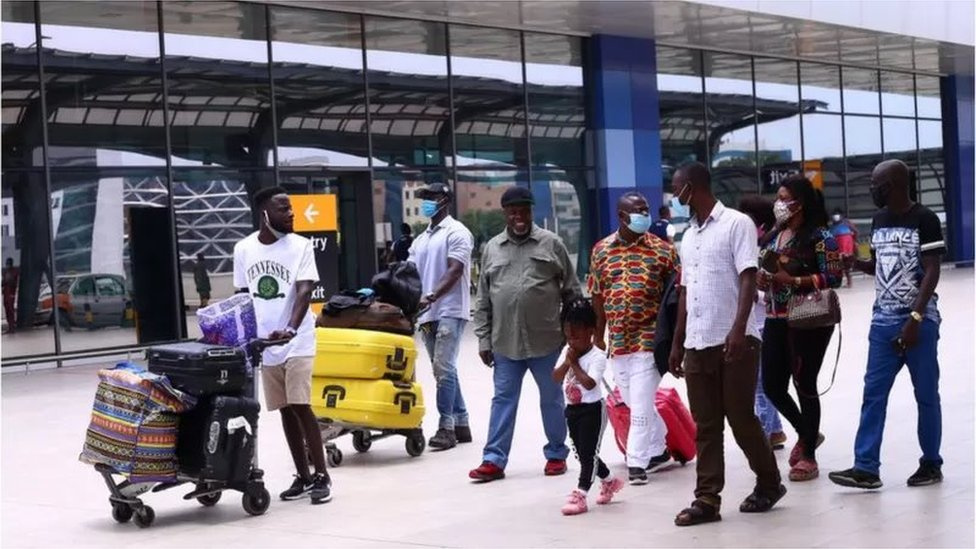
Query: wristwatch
<point x="431" y="297"/>
<point x="291" y="331"/>
<point x="916" y="316"/>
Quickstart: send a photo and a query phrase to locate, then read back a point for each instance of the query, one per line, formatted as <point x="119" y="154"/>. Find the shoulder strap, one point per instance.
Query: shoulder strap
<point x="833" y="375"/>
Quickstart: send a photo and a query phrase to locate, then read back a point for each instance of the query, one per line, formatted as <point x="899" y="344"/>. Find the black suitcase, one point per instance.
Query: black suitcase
<point x="217" y="438"/>
<point x="200" y="369"/>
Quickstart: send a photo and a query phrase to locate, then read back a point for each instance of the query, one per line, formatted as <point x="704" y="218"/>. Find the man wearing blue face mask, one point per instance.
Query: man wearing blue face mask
<point x="628" y="274"/>
<point x="442" y="254"/>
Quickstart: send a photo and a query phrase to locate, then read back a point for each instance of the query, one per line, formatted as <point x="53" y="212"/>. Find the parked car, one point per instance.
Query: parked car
<point x="91" y="300"/>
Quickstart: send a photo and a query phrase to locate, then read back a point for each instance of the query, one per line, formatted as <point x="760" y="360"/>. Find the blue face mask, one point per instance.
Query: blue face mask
<point x="639" y="223"/>
<point x="429" y="208"/>
<point x="679" y="210"/>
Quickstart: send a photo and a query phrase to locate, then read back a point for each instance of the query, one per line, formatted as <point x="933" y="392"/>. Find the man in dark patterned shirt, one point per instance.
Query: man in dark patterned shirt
<point x="628" y="274"/>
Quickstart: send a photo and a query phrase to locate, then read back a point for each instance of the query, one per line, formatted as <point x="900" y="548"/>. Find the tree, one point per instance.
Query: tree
<point x="483" y="224"/>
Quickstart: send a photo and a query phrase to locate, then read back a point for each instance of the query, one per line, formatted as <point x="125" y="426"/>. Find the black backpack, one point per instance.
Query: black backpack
<point x="399" y="285"/>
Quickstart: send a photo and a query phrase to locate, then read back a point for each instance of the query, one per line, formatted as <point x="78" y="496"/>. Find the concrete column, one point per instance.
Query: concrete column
<point x="957" y="146"/>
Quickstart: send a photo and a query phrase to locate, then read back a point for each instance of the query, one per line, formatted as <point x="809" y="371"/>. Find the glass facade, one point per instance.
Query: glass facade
<point x="832" y="123"/>
<point x="195" y="106"/>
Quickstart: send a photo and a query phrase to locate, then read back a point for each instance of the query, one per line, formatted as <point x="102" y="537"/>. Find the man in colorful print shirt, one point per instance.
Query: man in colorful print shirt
<point x="628" y="274"/>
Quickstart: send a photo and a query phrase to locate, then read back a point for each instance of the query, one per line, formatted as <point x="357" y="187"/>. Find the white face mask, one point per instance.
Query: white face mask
<point x="836" y="218"/>
<point x="782" y="211"/>
<point x="267" y="221"/>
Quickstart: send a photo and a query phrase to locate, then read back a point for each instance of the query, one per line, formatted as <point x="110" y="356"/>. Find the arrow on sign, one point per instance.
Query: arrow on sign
<point x="310" y="213"/>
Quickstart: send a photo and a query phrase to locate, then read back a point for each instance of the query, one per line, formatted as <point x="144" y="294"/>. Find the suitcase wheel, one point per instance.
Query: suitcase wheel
<point x="362" y="441"/>
<point x="144" y="516"/>
<point x="415" y="443"/>
<point x="257" y="502"/>
<point x="333" y="457"/>
<point x="121" y="512"/>
<point x="210" y="500"/>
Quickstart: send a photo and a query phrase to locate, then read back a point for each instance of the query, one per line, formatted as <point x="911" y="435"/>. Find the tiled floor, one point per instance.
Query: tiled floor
<point x="385" y="498"/>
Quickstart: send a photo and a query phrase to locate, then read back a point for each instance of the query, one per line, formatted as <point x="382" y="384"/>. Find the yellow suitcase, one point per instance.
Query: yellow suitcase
<point x="376" y="404"/>
<point x="363" y="354"/>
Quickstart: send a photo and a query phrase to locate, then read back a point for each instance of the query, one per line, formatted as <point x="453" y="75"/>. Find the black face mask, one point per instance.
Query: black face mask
<point x="879" y="195"/>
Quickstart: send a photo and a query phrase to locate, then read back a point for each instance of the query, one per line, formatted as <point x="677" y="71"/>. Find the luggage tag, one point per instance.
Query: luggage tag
<point x="239" y="422"/>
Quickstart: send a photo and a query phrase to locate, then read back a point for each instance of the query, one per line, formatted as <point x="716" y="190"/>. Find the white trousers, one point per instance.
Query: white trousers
<point x="638" y="380"/>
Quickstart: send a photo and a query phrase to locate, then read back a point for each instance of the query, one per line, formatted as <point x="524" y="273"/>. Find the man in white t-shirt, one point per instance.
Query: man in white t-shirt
<point x="442" y="254"/>
<point x="277" y="268"/>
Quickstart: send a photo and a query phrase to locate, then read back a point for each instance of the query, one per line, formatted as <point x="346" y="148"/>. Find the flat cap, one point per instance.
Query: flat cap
<point x="517" y="196"/>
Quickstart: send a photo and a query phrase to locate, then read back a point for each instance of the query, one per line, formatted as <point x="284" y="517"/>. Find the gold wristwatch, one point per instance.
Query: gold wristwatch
<point x="916" y="316"/>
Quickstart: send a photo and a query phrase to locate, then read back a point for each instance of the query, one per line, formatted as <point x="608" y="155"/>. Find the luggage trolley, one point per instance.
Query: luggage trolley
<point x="125" y="495"/>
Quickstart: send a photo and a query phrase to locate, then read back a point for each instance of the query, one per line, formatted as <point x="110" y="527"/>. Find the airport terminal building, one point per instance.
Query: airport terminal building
<point x="135" y="133"/>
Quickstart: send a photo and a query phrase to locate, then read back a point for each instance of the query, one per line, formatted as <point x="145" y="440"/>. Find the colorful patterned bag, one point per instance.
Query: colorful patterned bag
<point x="229" y="322"/>
<point x="134" y="424"/>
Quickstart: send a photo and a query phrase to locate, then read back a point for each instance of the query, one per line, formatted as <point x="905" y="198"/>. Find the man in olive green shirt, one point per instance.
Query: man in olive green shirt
<point x="525" y="277"/>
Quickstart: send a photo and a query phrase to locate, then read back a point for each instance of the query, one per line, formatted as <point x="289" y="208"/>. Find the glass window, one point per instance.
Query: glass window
<point x="731" y="125"/>
<point x="395" y="204"/>
<point x="823" y="145"/>
<point x="680" y="109"/>
<point x="219" y="95"/>
<point x="931" y="172"/>
<point x="104" y="91"/>
<point x="860" y="91"/>
<point x="22" y="137"/>
<point x="897" y="94"/>
<point x="408" y="92"/>
<point x="489" y="100"/>
<point x="109" y="287"/>
<point x="862" y="136"/>
<point x="929" y="93"/>
<point x="84" y="287"/>
<point x="213" y="213"/>
<point x="558" y="208"/>
<point x="820" y="87"/>
<point x="27" y="296"/>
<point x="778" y="118"/>
<point x="899" y="139"/>
<point x="554" y="76"/>
<point x="319" y="90"/>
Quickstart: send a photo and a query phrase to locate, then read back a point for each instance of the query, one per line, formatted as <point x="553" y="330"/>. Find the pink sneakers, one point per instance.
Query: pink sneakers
<point x="575" y="504"/>
<point x="607" y="489"/>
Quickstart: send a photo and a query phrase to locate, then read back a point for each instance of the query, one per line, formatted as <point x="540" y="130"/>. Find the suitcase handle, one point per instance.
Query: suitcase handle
<point x="405" y="400"/>
<point x="332" y="394"/>
<point x="230" y="351"/>
<point x="397" y="361"/>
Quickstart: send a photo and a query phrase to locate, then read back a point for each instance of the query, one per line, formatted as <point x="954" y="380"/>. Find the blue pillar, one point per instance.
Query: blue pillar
<point x="624" y="123"/>
<point x="957" y="146"/>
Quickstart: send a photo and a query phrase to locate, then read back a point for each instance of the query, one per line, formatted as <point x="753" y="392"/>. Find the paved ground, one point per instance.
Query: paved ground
<point x="385" y="498"/>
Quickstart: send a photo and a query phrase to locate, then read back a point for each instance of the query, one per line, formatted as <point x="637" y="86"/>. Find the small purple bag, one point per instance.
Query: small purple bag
<point x="230" y="322"/>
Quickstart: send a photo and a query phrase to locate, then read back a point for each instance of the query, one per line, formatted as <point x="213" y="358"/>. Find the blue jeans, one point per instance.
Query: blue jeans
<point x="443" y="340"/>
<point x="508" y="377"/>
<point x="884" y="363"/>
<point x="767" y="413"/>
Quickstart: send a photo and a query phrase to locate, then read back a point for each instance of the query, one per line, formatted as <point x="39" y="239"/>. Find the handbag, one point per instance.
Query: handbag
<point x="817" y="309"/>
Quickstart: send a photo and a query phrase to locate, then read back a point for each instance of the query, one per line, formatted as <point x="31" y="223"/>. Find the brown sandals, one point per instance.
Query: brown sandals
<point x="697" y="513"/>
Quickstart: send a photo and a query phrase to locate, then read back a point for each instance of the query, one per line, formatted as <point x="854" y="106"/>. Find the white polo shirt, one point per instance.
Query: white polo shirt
<point x="712" y="257"/>
<point x="450" y="239"/>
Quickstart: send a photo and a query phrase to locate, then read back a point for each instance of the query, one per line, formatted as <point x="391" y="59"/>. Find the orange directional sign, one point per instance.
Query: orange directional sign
<point x="315" y="212"/>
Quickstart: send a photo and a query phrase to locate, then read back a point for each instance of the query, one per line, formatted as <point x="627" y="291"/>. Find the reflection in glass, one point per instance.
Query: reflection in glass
<point x="681" y="112"/>
<point x="104" y="91"/>
<point x="860" y="91"/>
<point x="821" y="83"/>
<point x="778" y="116"/>
<point x="823" y="146"/>
<point x="319" y="94"/>
<point x="931" y="173"/>
<point x="91" y="251"/>
<point x="554" y="76"/>
<point x="731" y="125"/>
<point x="557" y="208"/>
<point x="408" y="92"/>
<point x="395" y="202"/>
<point x="899" y="139"/>
<point x="27" y="302"/>
<point x="219" y="95"/>
<point x="897" y="94"/>
<point x="862" y="136"/>
<point x="22" y="139"/>
<point x="928" y="89"/>
<point x="489" y="101"/>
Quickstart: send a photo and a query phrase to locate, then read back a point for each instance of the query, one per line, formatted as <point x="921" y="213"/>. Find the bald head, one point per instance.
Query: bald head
<point x="628" y="200"/>
<point x="892" y="172"/>
<point x="695" y="173"/>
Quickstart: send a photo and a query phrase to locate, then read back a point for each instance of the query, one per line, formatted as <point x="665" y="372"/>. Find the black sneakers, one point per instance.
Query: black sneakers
<point x="463" y="433"/>
<point x="927" y="474"/>
<point x="321" y="490"/>
<point x="659" y="462"/>
<point x="856" y="478"/>
<point x="299" y="489"/>
<point x="444" y="439"/>
<point x="637" y="476"/>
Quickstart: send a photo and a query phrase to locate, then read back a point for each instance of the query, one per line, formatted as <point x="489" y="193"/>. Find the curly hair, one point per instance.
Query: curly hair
<point x="579" y="312"/>
<point x="811" y="200"/>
